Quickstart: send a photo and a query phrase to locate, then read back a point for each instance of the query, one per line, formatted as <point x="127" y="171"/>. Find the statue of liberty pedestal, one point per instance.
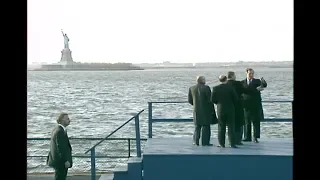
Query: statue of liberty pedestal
<point x="66" y="57"/>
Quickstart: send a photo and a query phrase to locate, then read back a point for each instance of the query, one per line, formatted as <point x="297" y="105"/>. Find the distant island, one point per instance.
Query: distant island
<point x="75" y="66"/>
<point x="66" y="63"/>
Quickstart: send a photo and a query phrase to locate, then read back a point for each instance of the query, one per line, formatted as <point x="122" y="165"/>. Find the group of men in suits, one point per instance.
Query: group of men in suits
<point x="238" y="105"/>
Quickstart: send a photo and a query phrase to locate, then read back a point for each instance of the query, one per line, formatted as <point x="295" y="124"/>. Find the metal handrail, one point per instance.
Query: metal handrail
<point x="158" y="120"/>
<point x="114" y="131"/>
<point x="138" y="143"/>
<point x="169" y="102"/>
<point x="153" y="120"/>
<point x="84" y="138"/>
<point x="129" y="139"/>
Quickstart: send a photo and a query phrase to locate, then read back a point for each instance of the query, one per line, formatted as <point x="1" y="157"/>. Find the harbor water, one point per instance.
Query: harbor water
<point x="100" y="101"/>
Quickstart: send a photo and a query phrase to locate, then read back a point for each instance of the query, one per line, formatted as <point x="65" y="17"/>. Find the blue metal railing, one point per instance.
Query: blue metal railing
<point x="155" y="120"/>
<point x="128" y="140"/>
<point x="138" y="145"/>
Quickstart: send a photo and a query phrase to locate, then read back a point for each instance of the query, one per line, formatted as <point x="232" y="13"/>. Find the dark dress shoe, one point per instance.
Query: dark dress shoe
<point x="222" y="146"/>
<point x="256" y="141"/>
<point x="240" y="143"/>
<point x="195" y="144"/>
<point x="233" y="146"/>
<point x="246" y="140"/>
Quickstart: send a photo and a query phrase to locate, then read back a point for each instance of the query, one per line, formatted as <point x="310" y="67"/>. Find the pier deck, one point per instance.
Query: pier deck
<point x="183" y="146"/>
<point x="177" y="158"/>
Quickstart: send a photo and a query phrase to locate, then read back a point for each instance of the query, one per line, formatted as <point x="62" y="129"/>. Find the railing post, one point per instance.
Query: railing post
<point x="292" y="107"/>
<point x="93" y="164"/>
<point x="138" y="145"/>
<point x="150" y="119"/>
<point x="129" y="148"/>
<point x="292" y="116"/>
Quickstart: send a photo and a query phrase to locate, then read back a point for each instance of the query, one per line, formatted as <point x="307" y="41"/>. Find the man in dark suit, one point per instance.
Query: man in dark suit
<point x="252" y="106"/>
<point x="239" y="113"/>
<point x="60" y="156"/>
<point x="225" y="97"/>
<point x="203" y="111"/>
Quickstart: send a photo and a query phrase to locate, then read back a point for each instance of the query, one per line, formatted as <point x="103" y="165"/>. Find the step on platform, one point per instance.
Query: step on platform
<point x="107" y="177"/>
<point x="177" y="158"/>
<point x="131" y="171"/>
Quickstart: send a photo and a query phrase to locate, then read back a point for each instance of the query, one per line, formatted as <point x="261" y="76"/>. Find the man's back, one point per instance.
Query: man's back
<point x="238" y="87"/>
<point x="225" y="97"/>
<point x="199" y="97"/>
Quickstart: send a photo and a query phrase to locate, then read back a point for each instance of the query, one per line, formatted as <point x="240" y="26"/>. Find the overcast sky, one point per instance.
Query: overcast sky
<point x="161" y="30"/>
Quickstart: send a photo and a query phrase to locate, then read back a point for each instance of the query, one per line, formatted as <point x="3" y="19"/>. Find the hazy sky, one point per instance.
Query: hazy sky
<point x="161" y="30"/>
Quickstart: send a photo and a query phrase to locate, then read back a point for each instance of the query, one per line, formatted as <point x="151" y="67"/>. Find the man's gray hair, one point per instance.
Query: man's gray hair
<point x="201" y="79"/>
<point x="60" y="117"/>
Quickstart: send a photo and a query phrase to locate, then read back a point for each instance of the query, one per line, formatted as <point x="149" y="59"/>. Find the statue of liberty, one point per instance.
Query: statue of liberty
<point x="66" y="40"/>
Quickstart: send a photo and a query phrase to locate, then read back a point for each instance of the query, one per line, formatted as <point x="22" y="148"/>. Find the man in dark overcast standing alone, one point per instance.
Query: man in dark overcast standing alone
<point x="252" y="105"/>
<point x="60" y="154"/>
<point x="203" y="111"/>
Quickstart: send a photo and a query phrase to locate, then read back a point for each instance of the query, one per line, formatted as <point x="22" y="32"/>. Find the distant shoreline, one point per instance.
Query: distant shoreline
<point x="73" y="69"/>
<point x="204" y="67"/>
<point x="146" y="68"/>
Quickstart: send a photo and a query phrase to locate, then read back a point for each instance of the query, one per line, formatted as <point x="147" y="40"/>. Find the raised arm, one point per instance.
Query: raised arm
<point x="190" y="99"/>
<point x="263" y="83"/>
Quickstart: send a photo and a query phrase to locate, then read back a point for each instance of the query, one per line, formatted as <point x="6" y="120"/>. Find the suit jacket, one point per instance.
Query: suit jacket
<point x="225" y="96"/>
<point x="252" y="100"/>
<point x="203" y="109"/>
<point x="240" y="89"/>
<point x="60" y="148"/>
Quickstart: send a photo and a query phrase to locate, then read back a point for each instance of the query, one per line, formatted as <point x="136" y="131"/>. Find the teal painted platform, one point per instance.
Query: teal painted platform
<point x="183" y="146"/>
<point x="177" y="158"/>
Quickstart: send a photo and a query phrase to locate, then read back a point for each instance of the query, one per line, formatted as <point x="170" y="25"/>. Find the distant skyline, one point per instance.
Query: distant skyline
<point x="144" y="31"/>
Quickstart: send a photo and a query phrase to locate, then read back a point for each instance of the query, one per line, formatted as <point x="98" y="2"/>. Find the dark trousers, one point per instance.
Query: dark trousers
<point x="252" y="116"/>
<point x="238" y="130"/>
<point x="223" y="121"/>
<point x="205" y="132"/>
<point x="60" y="173"/>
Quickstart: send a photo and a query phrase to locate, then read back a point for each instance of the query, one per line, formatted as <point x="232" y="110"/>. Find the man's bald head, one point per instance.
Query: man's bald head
<point x="201" y="79"/>
<point x="223" y="78"/>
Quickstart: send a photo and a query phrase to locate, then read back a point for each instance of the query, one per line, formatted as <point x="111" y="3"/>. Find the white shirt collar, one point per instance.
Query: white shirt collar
<point x="248" y="81"/>
<point x="64" y="128"/>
